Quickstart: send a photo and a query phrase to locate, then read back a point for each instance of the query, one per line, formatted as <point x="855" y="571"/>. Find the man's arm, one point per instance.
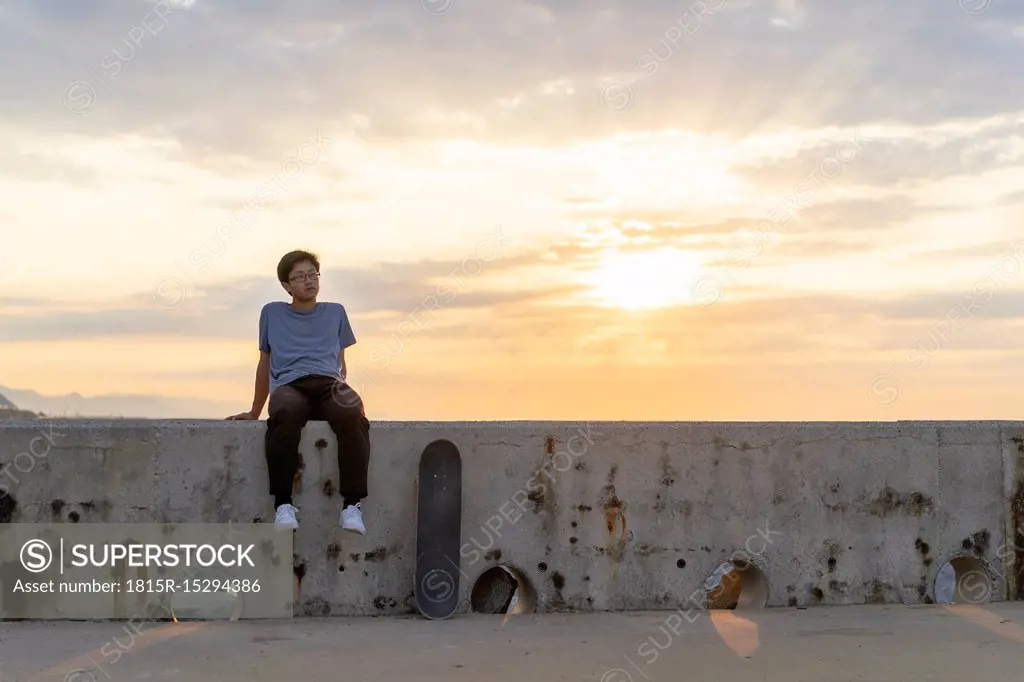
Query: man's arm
<point x="347" y="338"/>
<point x="262" y="388"/>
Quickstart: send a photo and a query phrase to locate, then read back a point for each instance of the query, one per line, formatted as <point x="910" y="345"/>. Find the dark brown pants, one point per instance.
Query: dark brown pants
<point x="319" y="398"/>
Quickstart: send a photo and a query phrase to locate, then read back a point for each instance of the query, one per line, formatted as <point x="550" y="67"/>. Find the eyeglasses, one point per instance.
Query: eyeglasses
<point x="306" y="276"/>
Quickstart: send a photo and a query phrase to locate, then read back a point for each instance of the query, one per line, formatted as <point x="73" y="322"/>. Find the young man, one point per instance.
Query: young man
<point x="302" y="369"/>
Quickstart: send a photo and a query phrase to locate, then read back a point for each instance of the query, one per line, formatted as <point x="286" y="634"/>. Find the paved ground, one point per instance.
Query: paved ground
<point x="871" y="643"/>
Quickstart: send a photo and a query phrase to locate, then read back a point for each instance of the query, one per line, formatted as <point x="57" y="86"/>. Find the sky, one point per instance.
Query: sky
<point x="599" y="209"/>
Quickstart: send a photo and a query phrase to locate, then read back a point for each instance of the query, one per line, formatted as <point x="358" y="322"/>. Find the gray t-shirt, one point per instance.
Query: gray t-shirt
<point x="303" y="343"/>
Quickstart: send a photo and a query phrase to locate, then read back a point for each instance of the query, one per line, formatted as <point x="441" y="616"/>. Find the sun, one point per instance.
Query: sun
<point x="644" y="280"/>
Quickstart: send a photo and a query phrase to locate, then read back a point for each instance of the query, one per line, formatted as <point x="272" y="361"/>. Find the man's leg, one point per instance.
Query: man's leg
<point x="340" y="406"/>
<point x="288" y="413"/>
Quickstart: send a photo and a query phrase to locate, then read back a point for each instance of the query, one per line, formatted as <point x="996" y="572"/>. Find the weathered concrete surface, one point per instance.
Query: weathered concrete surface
<point x="602" y="516"/>
<point x="882" y="643"/>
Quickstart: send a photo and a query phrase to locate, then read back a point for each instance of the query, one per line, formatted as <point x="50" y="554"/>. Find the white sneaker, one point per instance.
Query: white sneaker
<point x="352" y="518"/>
<point x="285" y="517"/>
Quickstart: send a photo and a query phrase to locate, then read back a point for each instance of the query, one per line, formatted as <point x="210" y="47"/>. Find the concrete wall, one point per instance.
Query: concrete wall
<point x="604" y="516"/>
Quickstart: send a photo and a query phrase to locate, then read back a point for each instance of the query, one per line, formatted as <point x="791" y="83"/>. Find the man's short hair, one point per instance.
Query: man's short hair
<point x="291" y="259"/>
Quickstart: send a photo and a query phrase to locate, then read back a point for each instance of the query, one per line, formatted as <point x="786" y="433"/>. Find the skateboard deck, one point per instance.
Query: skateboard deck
<point x="438" y="530"/>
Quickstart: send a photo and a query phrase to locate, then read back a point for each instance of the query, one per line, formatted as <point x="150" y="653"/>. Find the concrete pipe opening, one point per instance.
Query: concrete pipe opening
<point x="503" y="589"/>
<point x="964" y="580"/>
<point x="737" y="584"/>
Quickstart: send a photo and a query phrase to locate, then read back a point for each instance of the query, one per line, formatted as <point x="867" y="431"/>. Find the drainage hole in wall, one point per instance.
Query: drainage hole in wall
<point x="736" y="584"/>
<point x="503" y="589"/>
<point x="963" y="580"/>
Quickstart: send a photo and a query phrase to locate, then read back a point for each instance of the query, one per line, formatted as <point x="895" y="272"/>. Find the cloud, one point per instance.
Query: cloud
<point x="904" y="156"/>
<point x="845" y="339"/>
<point x="818" y="230"/>
<point x="261" y="72"/>
<point x="374" y="297"/>
<point x="142" y="125"/>
<point x="382" y="295"/>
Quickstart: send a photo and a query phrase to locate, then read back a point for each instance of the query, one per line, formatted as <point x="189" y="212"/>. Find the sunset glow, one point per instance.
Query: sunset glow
<point x="530" y="210"/>
<point x="658" y="278"/>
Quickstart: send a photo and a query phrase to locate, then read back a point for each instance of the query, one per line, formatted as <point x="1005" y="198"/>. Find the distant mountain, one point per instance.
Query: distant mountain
<point x="9" y="410"/>
<point x="139" y="406"/>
